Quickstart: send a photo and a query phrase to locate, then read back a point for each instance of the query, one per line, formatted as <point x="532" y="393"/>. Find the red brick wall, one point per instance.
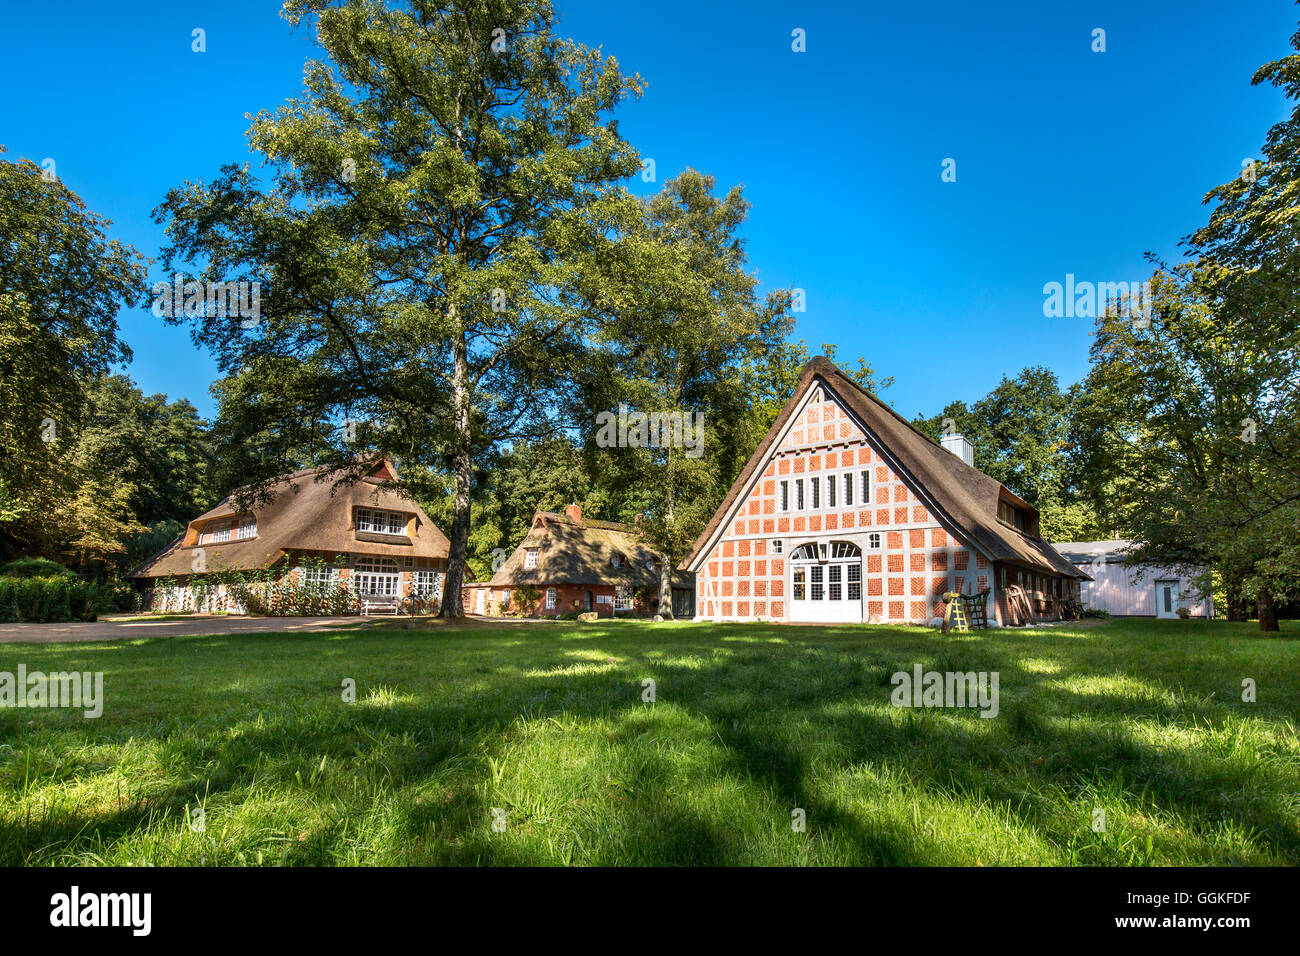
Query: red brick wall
<point x="903" y="579"/>
<point x="568" y="600"/>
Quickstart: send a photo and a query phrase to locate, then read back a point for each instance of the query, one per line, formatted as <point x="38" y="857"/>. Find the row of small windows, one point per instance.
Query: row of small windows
<point x="616" y="559"/>
<point x="247" y="529"/>
<point x="817" y="552"/>
<point x="381" y="522"/>
<point x="839" y="491"/>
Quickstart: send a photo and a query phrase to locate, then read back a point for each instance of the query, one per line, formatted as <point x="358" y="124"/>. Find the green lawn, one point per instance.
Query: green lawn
<point x="1141" y="719"/>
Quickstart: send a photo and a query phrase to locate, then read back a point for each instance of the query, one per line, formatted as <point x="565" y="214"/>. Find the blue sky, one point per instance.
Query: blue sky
<point x="1067" y="161"/>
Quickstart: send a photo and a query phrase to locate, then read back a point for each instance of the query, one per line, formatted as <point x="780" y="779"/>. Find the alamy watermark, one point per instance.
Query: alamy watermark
<point x="947" y="689"/>
<point x="675" y="429"/>
<point x="1082" y="300"/>
<point x="84" y="690"/>
<point x="182" y="298"/>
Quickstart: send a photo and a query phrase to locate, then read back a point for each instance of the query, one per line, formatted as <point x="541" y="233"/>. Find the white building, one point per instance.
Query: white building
<point x="1132" y="590"/>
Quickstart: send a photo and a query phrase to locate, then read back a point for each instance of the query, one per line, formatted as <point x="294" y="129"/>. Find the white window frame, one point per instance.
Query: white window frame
<point x="530" y="558"/>
<point x="247" y="528"/>
<point x="624" y="600"/>
<point x="831" y="487"/>
<point x="873" y="540"/>
<point x="815" y="493"/>
<point x="379" y="521"/>
<point x="426" y="583"/>
<point x="550" y="599"/>
<point x="777" y="545"/>
<point x="325" y="575"/>
<point x="798" y="495"/>
<point x="866" y="486"/>
<point x="785" y="494"/>
<point x="216" y="535"/>
<point x="848" y="489"/>
<point x="376" y="575"/>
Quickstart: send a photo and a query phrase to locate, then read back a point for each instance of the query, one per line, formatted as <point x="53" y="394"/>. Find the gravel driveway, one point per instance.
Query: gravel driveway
<point x="109" y="629"/>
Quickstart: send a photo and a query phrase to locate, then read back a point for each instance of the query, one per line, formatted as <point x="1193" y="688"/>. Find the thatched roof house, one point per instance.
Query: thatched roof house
<point x="846" y="512"/>
<point x="380" y="538"/>
<point x="580" y="564"/>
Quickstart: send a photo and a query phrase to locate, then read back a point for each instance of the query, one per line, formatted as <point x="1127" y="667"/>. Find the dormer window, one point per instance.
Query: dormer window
<point x="228" y="529"/>
<point x="1012" y="515"/>
<point x="616" y="560"/>
<point x="530" y="558"/>
<point x="381" y="522"/>
<point x="215" y="535"/>
<point x="649" y="564"/>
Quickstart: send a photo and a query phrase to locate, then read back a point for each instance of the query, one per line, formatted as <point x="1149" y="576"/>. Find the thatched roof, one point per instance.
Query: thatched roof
<point x="311" y="510"/>
<point x="963" y="497"/>
<point x="579" y="551"/>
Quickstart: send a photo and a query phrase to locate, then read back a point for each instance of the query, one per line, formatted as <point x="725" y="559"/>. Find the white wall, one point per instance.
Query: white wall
<point x="1119" y="590"/>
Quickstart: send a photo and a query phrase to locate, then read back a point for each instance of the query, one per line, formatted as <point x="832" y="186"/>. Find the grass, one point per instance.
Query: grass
<point x="1141" y="719"/>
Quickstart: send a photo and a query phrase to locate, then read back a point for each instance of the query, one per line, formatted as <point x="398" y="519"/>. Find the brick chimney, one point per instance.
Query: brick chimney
<point x="574" y="511"/>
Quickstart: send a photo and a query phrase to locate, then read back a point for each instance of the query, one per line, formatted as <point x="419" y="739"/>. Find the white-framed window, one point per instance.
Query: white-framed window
<point x="816" y="484"/>
<point x="381" y="522"/>
<point x="426" y="584"/>
<point x="777" y="546"/>
<point x="866" y="486"/>
<point x="604" y="599"/>
<point x="215" y="535"/>
<point x="504" y="599"/>
<point x="830" y="491"/>
<point x="798" y="494"/>
<point x="848" y="489"/>
<point x="785" y="496"/>
<point x="318" y="575"/>
<point x="873" y="540"/>
<point x="530" y="558"/>
<point x="247" y="528"/>
<point x="622" y="598"/>
<point x="616" y="559"/>
<point x="375" y="575"/>
<point x="550" y="599"/>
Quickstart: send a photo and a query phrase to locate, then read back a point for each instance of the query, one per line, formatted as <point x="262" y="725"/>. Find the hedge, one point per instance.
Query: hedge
<point x="58" y="598"/>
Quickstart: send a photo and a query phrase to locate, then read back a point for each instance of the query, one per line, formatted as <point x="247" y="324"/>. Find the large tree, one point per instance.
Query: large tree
<point x="1022" y="433"/>
<point x="62" y="283"/>
<point x="688" y="326"/>
<point x="1196" y="414"/>
<point x="432" y="244"/>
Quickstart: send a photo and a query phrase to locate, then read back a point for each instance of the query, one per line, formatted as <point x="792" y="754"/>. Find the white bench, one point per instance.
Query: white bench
<point x="369" y="606"/>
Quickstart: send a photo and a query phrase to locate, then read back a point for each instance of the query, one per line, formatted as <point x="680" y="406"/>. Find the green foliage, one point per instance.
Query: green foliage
<point x="433" y="246"/>
<point x="59" y="597"/>
<point x="267" y="591"/>
<point x="62" y="282"/>
<point x="1023" y="436"/>
<point x="687" y="326"/>
<point x="35" y="568"/>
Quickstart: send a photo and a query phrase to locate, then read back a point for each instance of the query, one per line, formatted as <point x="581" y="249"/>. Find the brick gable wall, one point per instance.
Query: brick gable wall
<point x="903" y="579"/>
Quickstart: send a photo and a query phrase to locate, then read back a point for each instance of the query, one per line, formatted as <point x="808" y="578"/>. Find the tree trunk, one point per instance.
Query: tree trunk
<point x="463" y="477"/>
<point x="666" y="588"/>
<point x="1238" y="606"/>
<point x="1267" y="610"/>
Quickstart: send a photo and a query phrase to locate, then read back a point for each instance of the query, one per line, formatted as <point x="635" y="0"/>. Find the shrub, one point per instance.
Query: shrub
<point x="55" y="598"/>
<point x="35" y="568"/>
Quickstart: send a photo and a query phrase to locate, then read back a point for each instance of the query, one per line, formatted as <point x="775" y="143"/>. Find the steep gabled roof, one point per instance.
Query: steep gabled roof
<point x="965" y="496"/>
<point x="309" y="511"/>
<point x="579" y="552"/>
